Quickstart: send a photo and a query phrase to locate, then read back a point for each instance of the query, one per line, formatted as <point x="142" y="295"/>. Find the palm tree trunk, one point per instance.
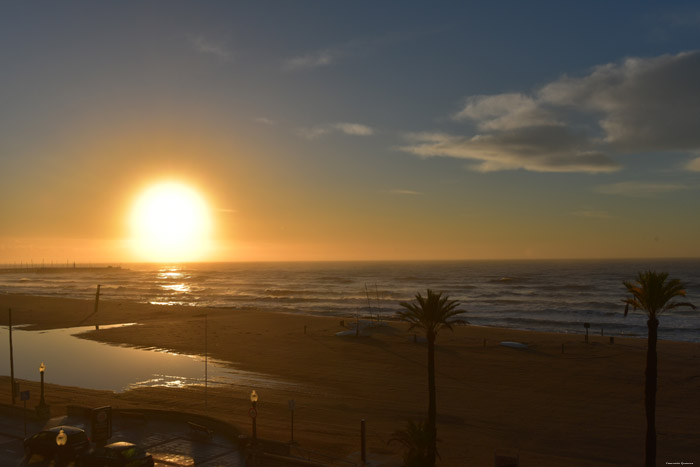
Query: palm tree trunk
<point x="432" y="410"/>
<point x="650" y="393"/>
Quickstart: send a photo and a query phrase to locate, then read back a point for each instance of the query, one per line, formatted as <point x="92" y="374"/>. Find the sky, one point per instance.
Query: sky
<point x="353" y="130"/>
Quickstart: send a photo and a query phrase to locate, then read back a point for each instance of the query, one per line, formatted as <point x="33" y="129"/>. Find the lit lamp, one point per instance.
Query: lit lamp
<point x="61" y="438"/>
<point x="254" y="414"/>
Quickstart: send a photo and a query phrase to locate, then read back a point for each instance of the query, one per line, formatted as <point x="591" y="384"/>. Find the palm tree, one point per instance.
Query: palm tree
<point x="430" y="314"/>
<point x="415" y="441"/>
<point x="652" y="293"/>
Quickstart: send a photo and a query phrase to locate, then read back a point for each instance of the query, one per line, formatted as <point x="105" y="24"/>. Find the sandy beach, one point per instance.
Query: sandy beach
<point x="582" y="407"/>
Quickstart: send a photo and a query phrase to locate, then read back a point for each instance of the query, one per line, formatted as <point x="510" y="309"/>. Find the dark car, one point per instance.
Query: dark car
<point x="120" y="454"/>
<point x="45" y="443"/>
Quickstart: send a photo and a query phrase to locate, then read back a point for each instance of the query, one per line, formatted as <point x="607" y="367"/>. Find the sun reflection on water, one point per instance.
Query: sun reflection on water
<point x="81" y="362"/>
<point x="177" y="287"/>
<point x="170" y="274"/>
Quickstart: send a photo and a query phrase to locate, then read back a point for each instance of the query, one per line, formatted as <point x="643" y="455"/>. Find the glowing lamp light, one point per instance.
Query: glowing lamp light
<point x="253" y="396"/>
<point x="61" y="438"/>
<point x="42" y="367"/>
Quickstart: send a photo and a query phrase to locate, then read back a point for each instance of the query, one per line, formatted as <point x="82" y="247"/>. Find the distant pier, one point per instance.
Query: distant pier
<point x="58" y="269"/>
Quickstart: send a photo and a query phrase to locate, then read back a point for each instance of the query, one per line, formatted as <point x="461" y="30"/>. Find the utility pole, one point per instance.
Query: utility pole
<point x="206" y="369"/>
<point x="97" y="298"/>
<point x="363" y="442"/>
<point x="206" y="357"/>
<point x="12" y="361"/>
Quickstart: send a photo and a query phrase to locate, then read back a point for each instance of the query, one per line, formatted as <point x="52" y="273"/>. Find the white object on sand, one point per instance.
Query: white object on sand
<point x="353" y="332"/>
<point x="514" y="345"/>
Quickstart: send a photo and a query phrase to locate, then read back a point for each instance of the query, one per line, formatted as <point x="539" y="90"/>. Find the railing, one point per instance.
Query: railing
<point x="321" y="458"/>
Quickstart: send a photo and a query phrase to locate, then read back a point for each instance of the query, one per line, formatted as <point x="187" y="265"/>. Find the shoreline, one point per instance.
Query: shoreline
<point x="583" y="407"/>
<point x="40" y="322"/>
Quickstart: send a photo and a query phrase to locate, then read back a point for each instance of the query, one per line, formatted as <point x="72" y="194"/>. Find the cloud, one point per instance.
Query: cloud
<point x="356" y="47"/>
<point x="353" y="129"/>
<point x="577" y="124"/>
<point x="505" y="112"/>
<point x="264" y="121"/>
<point x="540" y="149"/>
<point x="405" y="192"/>
<point x="356" y="129"/>
<point x="313" y="132"/>
<point x="206" y="46"/>
<point x="592" y="214"/>
<point x="311" y="60"/>
<point x="639" y="189"/>
<point x="693" y="165"/>
<point x="643" y="104"/>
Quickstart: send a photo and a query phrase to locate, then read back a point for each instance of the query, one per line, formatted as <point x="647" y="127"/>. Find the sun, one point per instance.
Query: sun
<point x="170" y="222"/>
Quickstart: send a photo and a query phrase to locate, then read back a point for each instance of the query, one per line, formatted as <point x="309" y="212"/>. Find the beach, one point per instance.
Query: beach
<point x="576" y="405"/>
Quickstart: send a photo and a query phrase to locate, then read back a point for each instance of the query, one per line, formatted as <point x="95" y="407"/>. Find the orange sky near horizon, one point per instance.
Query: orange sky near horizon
<point x="264" y="213"/>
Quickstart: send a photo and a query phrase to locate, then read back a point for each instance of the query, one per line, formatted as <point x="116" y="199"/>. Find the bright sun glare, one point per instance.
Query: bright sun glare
<point x="170" y="222"/>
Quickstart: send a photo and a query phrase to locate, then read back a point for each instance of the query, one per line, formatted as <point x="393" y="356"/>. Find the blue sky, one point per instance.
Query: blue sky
<point x="355" y="130"/>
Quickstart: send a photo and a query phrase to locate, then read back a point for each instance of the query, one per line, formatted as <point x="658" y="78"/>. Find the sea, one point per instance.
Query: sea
<point x="538" y="295"/>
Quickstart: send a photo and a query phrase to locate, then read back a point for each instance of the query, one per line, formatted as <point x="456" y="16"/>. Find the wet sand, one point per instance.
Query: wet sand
<point x="583" y="407"/>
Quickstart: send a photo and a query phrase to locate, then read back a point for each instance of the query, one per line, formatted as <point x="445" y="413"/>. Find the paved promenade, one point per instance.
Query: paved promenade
<point x="172" y="442"/>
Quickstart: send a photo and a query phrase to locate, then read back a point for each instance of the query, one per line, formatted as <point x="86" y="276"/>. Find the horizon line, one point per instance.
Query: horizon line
<point x="44" y="265"/>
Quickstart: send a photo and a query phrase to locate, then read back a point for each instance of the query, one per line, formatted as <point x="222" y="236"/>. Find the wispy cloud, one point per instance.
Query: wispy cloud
<point x="316" y="59"/>
<point x="357" y="47"/>
<point x="264" y="121"/>
<point x="539" y="149"/>
<point x="209" y="47"/>
<point x="577" y="124"/>
<point x="313" y="132"/>
<point x="353" y="129"/>
<point x="693" y="165"/>
<point x="356" y="129"/>
<point x="639" y="189"/>
<point x="505" y="112"/>
<point x="592" y="214"/>
<point x="405" y="192"/>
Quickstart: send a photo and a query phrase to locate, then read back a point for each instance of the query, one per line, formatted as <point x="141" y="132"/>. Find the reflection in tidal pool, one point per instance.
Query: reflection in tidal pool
<point x="71" y="361"/>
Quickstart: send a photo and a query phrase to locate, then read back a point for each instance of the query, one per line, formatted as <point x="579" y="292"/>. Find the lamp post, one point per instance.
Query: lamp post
<point x="254" y="414"/>
<point x="42" y="409"/>
<point x="42" y="368"/>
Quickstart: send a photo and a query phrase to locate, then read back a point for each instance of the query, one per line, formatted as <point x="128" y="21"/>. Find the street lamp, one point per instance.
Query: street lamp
<point x="254" y="414"/>
<point x="42" y="368"/>
<point x="42" y="408"/>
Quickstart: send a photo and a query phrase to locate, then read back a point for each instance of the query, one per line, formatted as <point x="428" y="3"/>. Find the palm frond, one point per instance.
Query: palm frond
<point x="430" y="313"/>
<point x="654" y="293"/>
<point x="415" y="439"/>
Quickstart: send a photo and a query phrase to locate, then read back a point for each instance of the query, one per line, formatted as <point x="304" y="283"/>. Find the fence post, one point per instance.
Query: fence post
<point x="363" y="444"/>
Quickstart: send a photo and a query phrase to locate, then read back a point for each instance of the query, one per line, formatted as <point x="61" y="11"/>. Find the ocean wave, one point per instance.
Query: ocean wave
<point x="335" y="280"/>
<point x="507" y="280"/>
<point x="536" y="295"/>
<point x="567" y="287"/>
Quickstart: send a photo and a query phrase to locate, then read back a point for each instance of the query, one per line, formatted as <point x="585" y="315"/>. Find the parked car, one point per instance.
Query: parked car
<point x="120" y="454"/>
<point x="45" y="443"/>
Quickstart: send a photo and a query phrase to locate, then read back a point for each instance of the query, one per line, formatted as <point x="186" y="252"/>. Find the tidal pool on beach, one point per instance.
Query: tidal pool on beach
<point x="72" y="361"/>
